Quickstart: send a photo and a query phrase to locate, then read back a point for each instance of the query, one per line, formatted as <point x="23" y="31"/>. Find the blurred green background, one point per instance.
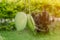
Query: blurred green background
<point x="8" y="10"/>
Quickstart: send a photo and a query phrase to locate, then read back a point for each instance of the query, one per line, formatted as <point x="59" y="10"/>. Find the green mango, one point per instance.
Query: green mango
<point x="20" y="21"/>
<point x="31" y="23"/>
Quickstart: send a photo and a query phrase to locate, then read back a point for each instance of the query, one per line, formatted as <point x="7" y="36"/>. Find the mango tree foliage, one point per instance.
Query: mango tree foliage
<point x="23" y="5"/>
<point x="51" y="6"/>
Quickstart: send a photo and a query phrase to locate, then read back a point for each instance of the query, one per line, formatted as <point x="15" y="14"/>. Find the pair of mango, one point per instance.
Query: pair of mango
<point x="22" y="20"/>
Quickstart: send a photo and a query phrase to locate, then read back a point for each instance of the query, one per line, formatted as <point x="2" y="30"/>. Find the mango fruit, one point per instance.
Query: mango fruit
<point x="20" y="21"/>
<point x="31" y="23"/>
